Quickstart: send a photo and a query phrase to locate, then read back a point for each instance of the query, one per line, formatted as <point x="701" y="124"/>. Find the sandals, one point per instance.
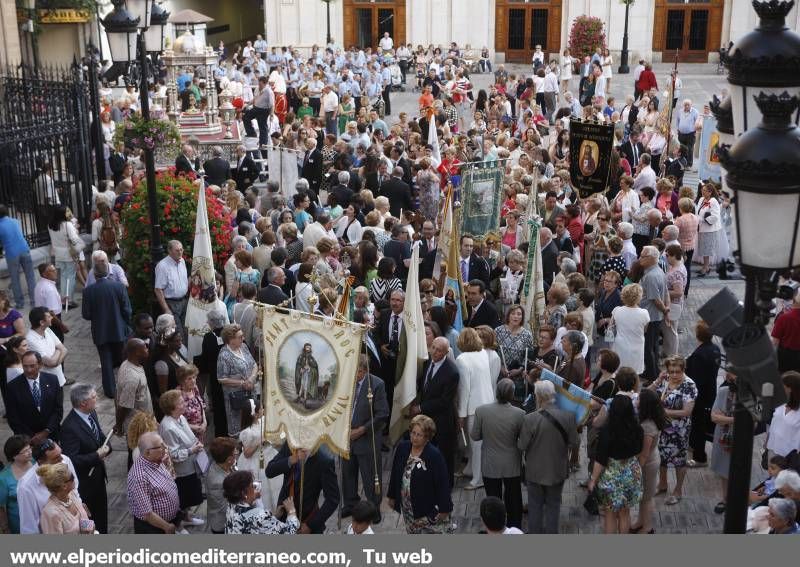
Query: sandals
<point x="672" y="500"/>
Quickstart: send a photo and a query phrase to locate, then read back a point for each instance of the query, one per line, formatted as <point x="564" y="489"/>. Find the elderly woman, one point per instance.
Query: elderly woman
<point x="608" y="298"/>
<point x="573" y="368"/>
<point x="629" y="322"/>
<point x="617" y="474"/>
<point x="687" y="224"/>
<point x="245" y="516"/>
<point x="245" y="273"/>
<point x="238" y="243"/>
<point x="676" y="283"/>
<point x="710" y="226"/>
<point x="678" y="393"/>
<point x="207" y="364"/>
<point x="183" y="448"/>
<point x="781" y="517"/>
<point x="556" y="310"/>
<point x="474" y="389"/>
<point x="703" y="366"/>
<point x="237" y="373"/>
<point x="497" y="426"/>
<point x="223" y="452"/>
<point x="419" y="488"/>
<point x="348" y="228"/>
<point x="194" y="405"/>
<point x="63" y="512"/>
<point x="626" y="202"/>
<point x="17" y="450"/>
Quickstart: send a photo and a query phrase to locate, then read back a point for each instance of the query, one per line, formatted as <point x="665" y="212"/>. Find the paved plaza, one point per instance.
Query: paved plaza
<point x="693" y="514"/>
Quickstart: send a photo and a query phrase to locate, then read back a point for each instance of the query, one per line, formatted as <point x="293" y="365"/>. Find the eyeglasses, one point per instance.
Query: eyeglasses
<point x="162" y="446"/>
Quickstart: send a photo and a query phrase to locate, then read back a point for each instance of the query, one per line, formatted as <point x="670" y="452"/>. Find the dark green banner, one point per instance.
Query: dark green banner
<point x="482" y="198"/>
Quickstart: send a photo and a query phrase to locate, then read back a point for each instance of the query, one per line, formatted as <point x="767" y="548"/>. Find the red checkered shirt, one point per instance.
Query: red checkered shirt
<point x="151" y="488"/>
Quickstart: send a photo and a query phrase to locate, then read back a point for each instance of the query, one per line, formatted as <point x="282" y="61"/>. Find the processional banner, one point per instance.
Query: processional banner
<point x="310" y="365"/>
<point x="482" y="196"/>
<point x="282" y="164"/>
<point x="590" y="147"/>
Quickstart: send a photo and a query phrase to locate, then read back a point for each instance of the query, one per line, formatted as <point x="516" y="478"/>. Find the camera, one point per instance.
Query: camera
<point x="788" y="290"/>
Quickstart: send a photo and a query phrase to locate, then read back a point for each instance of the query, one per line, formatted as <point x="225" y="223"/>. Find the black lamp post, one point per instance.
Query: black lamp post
<point x="328" y="39"/>
<point x="137" y="30"/>
<point x="762" y="169"/>
<point x="623" y="56"/>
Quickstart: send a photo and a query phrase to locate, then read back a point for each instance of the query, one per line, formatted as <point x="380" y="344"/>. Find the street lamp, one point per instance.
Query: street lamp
<point x="765" y="60"/>
<point x="127" y="29"/>
<point x="328" y="39"/>
<point x="623" y="56"/>
<point x="762" y="166"/>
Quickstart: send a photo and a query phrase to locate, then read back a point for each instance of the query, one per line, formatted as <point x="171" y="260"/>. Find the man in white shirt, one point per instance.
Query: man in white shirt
<point x="330" y="105"/>
<point x="32" y="494"/>
<point x="645" y="177"/>
<point x="550" y="89"/>
<point x="386" y="43"/>
<point x="172" y="284"/>
<point x="317" y="230"/>
<point x="625" y="232"/>
<point x="636" y="74"/>
<point x="260" y="45"/>
<point x="45" y="294"/>
<point x="538" y="58"/>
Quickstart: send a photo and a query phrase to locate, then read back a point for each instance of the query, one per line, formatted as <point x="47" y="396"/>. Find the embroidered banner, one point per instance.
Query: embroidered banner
<point x="590" y="146"/>
<point x="482" y="194"/>
<point x="709" y="144"/>
<point x="570" y="397"/>
<point x="282" y="167"/>
<point x="310" y="365"/>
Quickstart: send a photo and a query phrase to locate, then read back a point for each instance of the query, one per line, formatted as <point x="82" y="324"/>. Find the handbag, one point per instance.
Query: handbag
<point x="590" y="504"/>
<point x="240" y="399"/>
<point x="610" y="335"/>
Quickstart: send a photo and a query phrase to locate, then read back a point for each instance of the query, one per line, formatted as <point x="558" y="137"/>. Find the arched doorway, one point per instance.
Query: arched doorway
<point x="690" y="28"/>
<point x="365" y="22"/>
<point x="523" y="24"/>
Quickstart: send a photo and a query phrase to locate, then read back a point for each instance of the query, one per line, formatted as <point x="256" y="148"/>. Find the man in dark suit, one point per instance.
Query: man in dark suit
<point x="427" y="250"/>
<point x="311" y="168"/>
<point x="218" y="169"/>
<point x="549" y="255"/>
<point x="399" y="249"/>
<point x="34" y="401"/>
<point x="319" y="477"/>
<point x="481" y="312"/>
<point x="397" y="156"/>
<point x="398" y="192"/>
<point x="187" y="162"/>
<point x="633" y="149"/>
<point x="116" y="163"/>
<point x="374" y="181"/>
<point x="437" y="387"/>
<point x="106" y="305"/>
<point x="472" y="266"/>
<point x="272" y="294"/>
<point x="82" y="440"/>
<point x="342" y="192"/>
<point x="390" y="337"/>
<point x="552" y="210"/>
<point x="246" y="171"/>
<point x="366" y="438"/>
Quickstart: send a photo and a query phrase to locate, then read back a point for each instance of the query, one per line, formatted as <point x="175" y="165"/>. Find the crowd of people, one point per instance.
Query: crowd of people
<point x="616" y="268"/>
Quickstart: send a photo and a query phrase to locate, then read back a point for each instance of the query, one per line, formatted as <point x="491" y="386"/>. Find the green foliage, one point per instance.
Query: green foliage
<point x="586" y="35"/>
<point x="177" y="203"/>
<point x="136" y="132"/>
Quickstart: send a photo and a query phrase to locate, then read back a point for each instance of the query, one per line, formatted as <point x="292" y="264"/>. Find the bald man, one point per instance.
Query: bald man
<point x="437" y="386"/>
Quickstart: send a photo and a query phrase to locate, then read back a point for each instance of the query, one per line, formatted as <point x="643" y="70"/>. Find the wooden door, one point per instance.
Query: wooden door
<point x="691" y="30"/>
<point x="521" y="26"/>
<point x="365" y="22"/>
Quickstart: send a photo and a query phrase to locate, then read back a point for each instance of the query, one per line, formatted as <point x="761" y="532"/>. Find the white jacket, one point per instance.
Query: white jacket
<point x="60" y="239"/>
<point x="474" y="382"/>
<point x="711" y="223"/>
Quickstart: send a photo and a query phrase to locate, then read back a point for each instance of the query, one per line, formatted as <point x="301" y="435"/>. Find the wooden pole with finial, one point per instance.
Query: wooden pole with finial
<point x="665" y="153"/>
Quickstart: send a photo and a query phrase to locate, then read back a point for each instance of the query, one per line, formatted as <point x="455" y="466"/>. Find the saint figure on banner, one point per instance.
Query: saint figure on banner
<point x="588" y="163"/>
<point x="306" y="375"/>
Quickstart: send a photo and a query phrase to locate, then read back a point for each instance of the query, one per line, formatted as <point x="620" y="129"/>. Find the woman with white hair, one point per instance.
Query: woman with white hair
<point x="781" y="518"/>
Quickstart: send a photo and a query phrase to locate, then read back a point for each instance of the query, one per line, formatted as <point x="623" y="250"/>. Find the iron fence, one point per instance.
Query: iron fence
<point x="45" y="145"/>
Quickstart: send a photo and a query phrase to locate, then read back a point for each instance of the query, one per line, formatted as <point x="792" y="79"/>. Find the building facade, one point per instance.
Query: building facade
<point x="658" y="29"/>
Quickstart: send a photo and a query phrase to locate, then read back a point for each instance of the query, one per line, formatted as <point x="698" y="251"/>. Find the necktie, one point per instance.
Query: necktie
<point x="305" y="160"/>
<point x="635" y="155"/>
<point x="358" y="392"/>
<point x="395" y="329"/>
<point x="37" y="395"/>
<point x="428" y="376"/>
<point x="464" y="272"/>
<point x="95" y="428"/>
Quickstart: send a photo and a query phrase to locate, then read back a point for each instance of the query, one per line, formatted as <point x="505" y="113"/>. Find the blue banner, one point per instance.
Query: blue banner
<point x="569" y="397"/>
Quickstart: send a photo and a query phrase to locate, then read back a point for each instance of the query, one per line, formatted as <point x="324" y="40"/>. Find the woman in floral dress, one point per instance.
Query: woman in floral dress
<point x="236" y="371"/>
<point x="194" y="411"/>
<point x="599" y="238"/>
<point x="678" y="393"/>
<point x="515" y="344"/>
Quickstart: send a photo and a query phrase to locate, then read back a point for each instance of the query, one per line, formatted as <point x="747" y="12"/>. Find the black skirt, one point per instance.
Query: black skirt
<point x="190" y="491"/>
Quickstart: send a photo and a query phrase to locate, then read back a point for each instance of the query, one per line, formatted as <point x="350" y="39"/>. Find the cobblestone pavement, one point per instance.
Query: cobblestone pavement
<point x="693" y="514"/>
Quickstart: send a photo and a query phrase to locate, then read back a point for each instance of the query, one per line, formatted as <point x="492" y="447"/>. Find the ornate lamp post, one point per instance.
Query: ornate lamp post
<point x="623" y="56"/>
<point x="762" y="168"/>
<point x="328" y="38"/>
<point x="131" y="26"/>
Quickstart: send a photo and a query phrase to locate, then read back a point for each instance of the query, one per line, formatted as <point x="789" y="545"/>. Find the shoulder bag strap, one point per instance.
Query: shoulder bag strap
<point x="557" y="425"/>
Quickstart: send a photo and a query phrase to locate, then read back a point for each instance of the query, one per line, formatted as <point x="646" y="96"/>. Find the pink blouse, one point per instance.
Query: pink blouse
<point x="687" y="225"/>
